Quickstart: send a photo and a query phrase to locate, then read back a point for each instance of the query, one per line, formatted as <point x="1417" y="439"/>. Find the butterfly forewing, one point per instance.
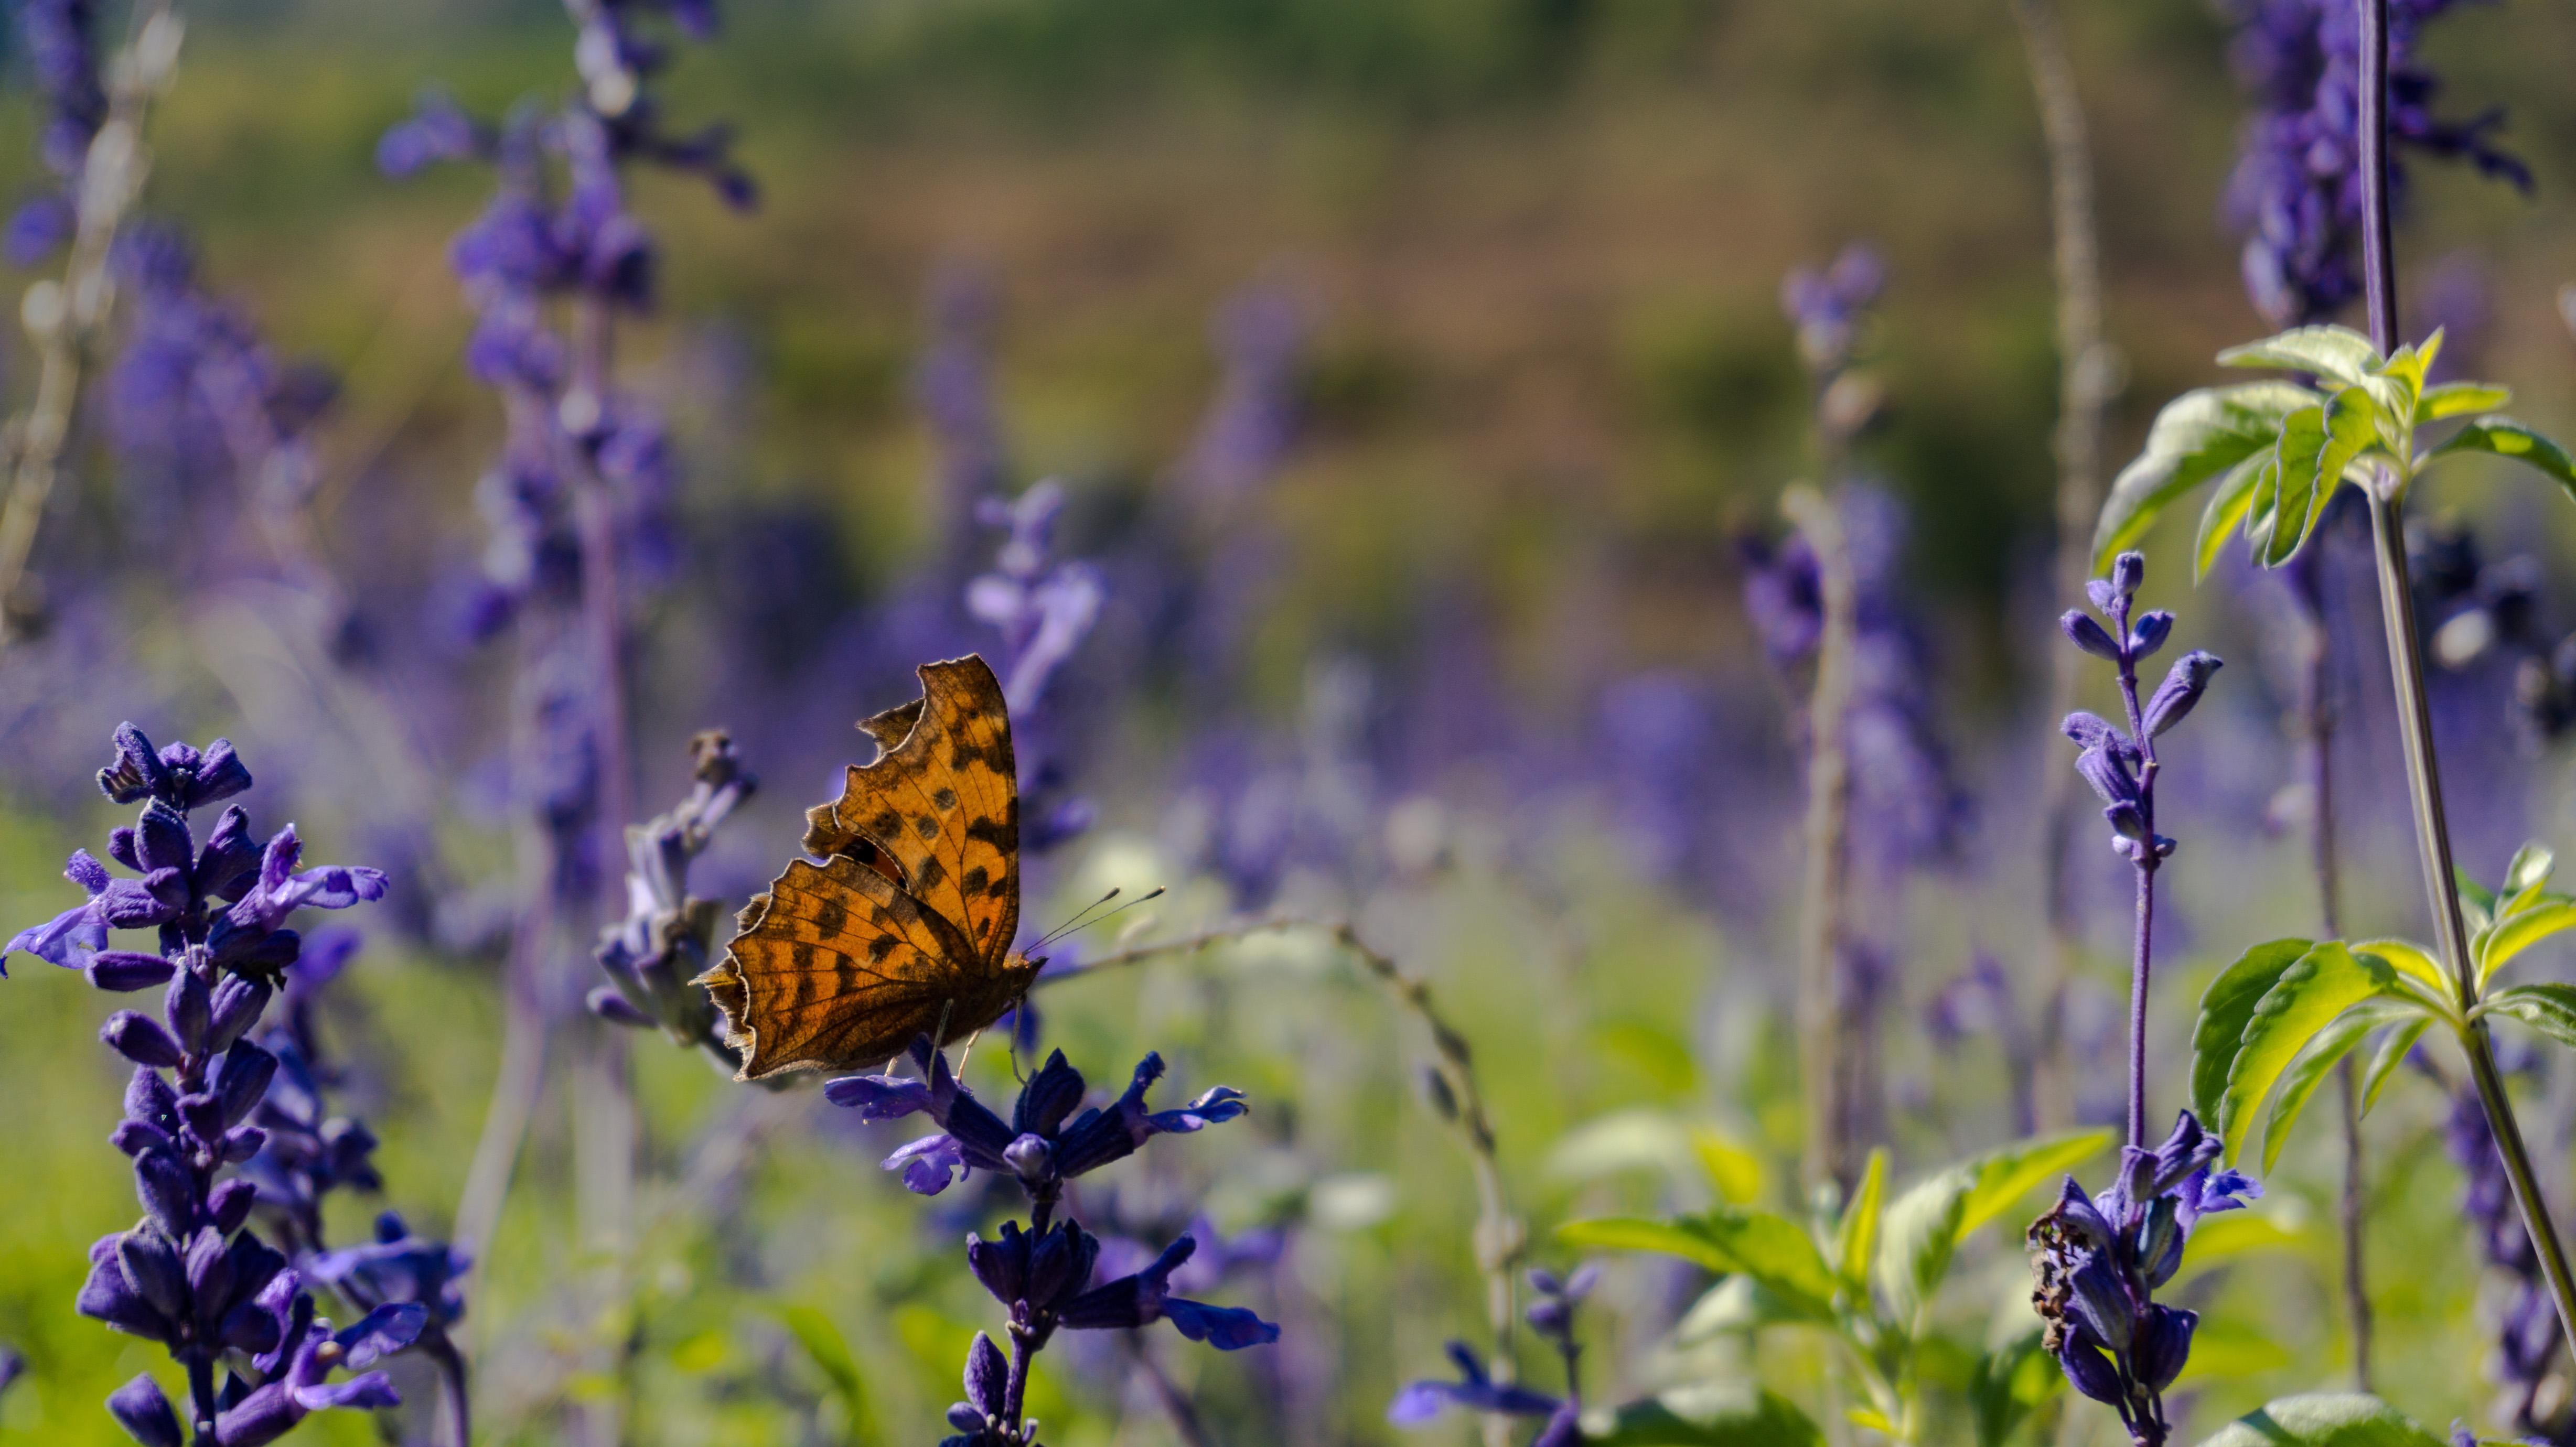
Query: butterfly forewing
<point x="908" y="923"/>
<point x="943" y="805"/>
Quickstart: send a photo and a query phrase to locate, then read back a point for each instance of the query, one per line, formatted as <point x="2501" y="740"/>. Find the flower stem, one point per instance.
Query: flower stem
<point x="2414" y="705"/>
<point x="1823" y="1014"/>
<point x="2142" y="955"/>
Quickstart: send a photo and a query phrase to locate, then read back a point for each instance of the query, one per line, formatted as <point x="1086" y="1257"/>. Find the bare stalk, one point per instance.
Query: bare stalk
<point x="65" y="318"/>
<point x="2087" y="377"/>
<point x="1824" y="1036"/>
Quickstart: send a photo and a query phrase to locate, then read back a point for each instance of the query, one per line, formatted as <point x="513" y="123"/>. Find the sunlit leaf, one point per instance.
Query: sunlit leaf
<point x="2197" y="436"/>
<point x="2316" y="445"/>
<point x="1771" y="1249"/>
<point x="2532" y="865"/>
<point x="2225" y="1007"/>
<point x="2334" y="352"/>
<point x="2322" y="1419"/>
<point x="1922" y="1235"/>
<point x="2306" y="1073"/>
<point x="2219" y="1238"/>
<point x="2511" y="936"/>
<point x="2004" y="1176"/>
<point x="2504" y="437"/>
<point x="2392" y="1053"/>
<point x="1731" y="1167"/>
<point x="2008" y="1384"/>
<point x="2477" y="902"/>
<point x="2412" y="961"/>
<point x="1857" y="1235"/>
<point x="2459" y="399"/>
<point x="2229" y="502"/>
<point x="2549" y="1009"/>
<point x="2326" y="981"/>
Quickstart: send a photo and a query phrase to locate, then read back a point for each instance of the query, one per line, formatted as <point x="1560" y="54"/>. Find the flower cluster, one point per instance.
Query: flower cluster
<point x="2296" y="192"/>
<point x="1551" y="1316"/>
<point x="61" y="40"/>
<point x="663" y="943"/>
<point x="1901" y="778"/>
<point x="1044" y="607"/>
<point x="1043" y="1274"/>
<point x="2121" y="767"/>
<point x="190" y="1275"/>
<point x="2098" y="1261"/>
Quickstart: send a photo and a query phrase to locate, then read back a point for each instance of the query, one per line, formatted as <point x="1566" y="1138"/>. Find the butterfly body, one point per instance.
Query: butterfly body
<point x="905" y="927"/>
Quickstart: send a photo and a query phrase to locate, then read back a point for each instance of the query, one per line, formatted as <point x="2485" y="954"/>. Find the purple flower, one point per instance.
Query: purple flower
<point x="1831" y="307"/>
<point x="398" y="1267"/>
<point x="2122" y="769"/>
<point x="2296" y="192"/>
<point x="1475" y="1390"/>
<point x="652" y="955"/>
<point x="1044" y="1143"/>
<point x="2097" y="1262"/>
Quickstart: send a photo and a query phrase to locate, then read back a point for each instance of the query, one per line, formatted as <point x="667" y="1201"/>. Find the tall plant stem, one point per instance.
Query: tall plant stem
<point x="1823" y="1019"/>
<point x="2085" y="383"/>
<point x="66" y="317"/>
<point x="2414" y="705"/>
<point x="2316" y="715"/>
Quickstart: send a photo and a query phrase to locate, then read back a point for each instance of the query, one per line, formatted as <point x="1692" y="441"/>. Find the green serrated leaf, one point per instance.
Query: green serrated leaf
<point x="2549" y="1009"/>
<point x="2308" y="1072"/>
<point x="2316" y="445"/>
<point x="2504" y="437"/>
<point x="1856" y="1238"/>
<point x="2324" y="1419"/>
<point x="2392" y="1052"/>
<point x="2398" y="385"/>
<point x="1710" y="1416"/>
<point x="2229" y="502"/>
<point x="2459" y="399"/>
<point x="2410" y="960"/>
<point x="2224" y="1008"/>
<point x="2339" y="353"/>
<point x="2310" y="995"/>
<point x="2516" y="933"/>
<point x="2197" y="436"/>
<point x="1773" y="1250"/>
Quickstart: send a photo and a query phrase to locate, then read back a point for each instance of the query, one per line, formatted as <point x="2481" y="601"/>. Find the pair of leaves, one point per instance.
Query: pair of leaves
<point x="2274" y="1023"/>
<point x="1902" y="1248"/>
<point x="2282" y="447"/>
<point x="2505" y="922"/>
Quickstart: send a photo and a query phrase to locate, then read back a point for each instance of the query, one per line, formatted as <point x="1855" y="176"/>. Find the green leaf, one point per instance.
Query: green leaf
<point x="2197" y="436"/>
<point x="1738" y="1303"/>
<point x="2398" y="385"/>
<point x="1711" y="1416"/>
<point x="2477" y="902"/>
<point x="2324" y="1419"/>
<point x="1735" y="1171"/>
<point x="2549" y="1009"/>
<point x="2516" y="933"/>
<point x="2504" y="437"/>
<point x="2459" y="399"/>
<point x="2329" y="351"/>
<point x="1773" y="1250"/>
<point x="1856" y="1238"/>
<point x="2316" y="445"/>
<point x="2228" y="505"/>
<point x="2308" y="1072"/>
<point x="2326" y="981"/>
<point x="2004" y="1176"/>
<point x="1922" y="1236"/>
<point x="2009" y="1383"/>
<point x="2225" y="1007"/>
<point x="2532" y="865"/>
<point x="1923" y="1227"/>
<point x="2412" y="961"/>
<point x="2392" y="1051"/>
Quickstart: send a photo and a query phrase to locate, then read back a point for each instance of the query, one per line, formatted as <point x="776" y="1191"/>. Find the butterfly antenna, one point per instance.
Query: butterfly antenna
<point x="1084" y="918"/>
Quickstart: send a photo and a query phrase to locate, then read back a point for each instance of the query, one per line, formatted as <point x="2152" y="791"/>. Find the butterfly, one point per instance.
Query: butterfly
<point x="905" y="927"/>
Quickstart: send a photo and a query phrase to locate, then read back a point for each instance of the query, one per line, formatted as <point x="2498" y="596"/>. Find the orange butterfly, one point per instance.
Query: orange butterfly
<point x="905" y="928"/>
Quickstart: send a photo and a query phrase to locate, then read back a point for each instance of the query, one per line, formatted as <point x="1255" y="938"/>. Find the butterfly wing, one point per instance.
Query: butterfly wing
<point x="941" y="804"/>
<point x="836" y="968"/>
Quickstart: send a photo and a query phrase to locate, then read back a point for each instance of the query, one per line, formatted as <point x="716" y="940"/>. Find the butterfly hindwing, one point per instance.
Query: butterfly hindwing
<point x="836" y="967"/>
<point x="941" y="804"/>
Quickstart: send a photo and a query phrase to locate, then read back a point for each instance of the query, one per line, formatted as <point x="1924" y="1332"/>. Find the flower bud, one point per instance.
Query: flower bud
<point x="2149" y="633"/>
<point x="144" y="1413"/>
<point x="141" y="1039"/>
<point x="127" y="970"/>
<point x="2127" y="571"/>
<point x="2084" y="633"/>
<point x="2181" y="689"/>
